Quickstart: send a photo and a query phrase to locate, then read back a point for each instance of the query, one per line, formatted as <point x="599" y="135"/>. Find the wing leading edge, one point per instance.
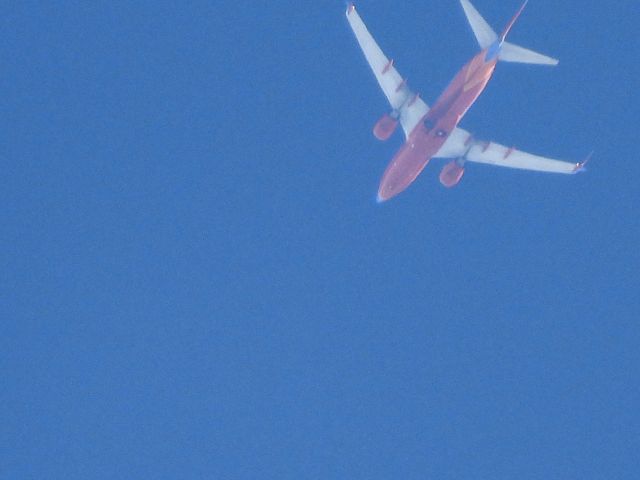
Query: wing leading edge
<point x="462" y="144"/>
<point x="408" y="105"/>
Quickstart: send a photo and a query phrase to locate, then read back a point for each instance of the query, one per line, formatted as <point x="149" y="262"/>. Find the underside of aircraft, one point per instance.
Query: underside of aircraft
<point x="434" y="132"/>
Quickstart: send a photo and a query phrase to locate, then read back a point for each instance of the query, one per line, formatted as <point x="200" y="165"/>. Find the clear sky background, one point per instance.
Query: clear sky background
<point x="196" y="280"/>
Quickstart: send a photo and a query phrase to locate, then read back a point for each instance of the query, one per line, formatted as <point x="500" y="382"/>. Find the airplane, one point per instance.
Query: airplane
<point x="434" y="132"/>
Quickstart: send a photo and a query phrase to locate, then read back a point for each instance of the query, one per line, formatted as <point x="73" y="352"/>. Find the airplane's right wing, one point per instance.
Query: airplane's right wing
<point x="462" y="144"/>
<point x="409" y="105"/>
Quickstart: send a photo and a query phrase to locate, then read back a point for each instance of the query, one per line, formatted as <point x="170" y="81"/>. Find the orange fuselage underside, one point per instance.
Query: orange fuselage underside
<point x="433" y="130"/>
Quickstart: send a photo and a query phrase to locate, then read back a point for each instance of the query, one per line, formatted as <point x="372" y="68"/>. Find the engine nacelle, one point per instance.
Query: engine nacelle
<point x="385" y="127"/>
<point x="451" y="174"/>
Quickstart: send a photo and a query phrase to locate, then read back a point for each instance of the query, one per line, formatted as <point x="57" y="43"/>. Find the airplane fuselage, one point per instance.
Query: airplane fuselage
<point x="432" y="131"/>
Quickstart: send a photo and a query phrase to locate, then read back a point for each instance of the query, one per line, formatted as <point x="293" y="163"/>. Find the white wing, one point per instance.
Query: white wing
<point x="409" y="106"/>
<point x="462" y="144"/>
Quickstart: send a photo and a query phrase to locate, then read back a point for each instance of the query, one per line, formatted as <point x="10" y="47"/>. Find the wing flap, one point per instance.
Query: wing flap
<point x="408" y="105"/>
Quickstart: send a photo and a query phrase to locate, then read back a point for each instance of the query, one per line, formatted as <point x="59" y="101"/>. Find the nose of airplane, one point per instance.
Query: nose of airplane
<point x="386" y="191"/>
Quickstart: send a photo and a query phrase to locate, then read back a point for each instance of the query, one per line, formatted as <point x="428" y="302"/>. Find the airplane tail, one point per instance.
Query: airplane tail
<point x="508" y="52"/>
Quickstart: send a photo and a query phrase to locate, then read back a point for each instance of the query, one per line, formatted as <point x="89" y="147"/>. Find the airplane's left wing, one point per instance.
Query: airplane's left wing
<point x="409" y="105"/>
<point x="461" y="144"/>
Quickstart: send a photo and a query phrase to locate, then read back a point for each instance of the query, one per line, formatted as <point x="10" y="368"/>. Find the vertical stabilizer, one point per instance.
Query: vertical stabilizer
<point x="481" y="29"/>
<point x="507" y="29"/>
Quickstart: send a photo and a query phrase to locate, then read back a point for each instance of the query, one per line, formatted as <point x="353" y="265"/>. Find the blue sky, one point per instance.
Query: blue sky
<point x="198" y="283"/>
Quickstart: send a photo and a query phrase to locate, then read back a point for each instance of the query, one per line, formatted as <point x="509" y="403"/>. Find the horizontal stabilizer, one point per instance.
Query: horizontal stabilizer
<point x="513" y="53"/>
<point x="487" y="37"/>
<point x="481" y="29"/>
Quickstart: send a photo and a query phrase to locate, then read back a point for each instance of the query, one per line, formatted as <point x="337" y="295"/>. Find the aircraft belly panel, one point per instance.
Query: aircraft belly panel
<point x="410" y="160"/>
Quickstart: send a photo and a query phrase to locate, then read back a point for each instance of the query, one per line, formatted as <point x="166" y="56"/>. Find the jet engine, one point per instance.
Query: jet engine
<point x="451" y="173"/>
<point x="385" y="127"/>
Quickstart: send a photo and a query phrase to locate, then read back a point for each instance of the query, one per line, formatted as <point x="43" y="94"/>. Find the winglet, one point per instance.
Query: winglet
<point x="581" y="167"/>
<point x="350" y="8"/>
